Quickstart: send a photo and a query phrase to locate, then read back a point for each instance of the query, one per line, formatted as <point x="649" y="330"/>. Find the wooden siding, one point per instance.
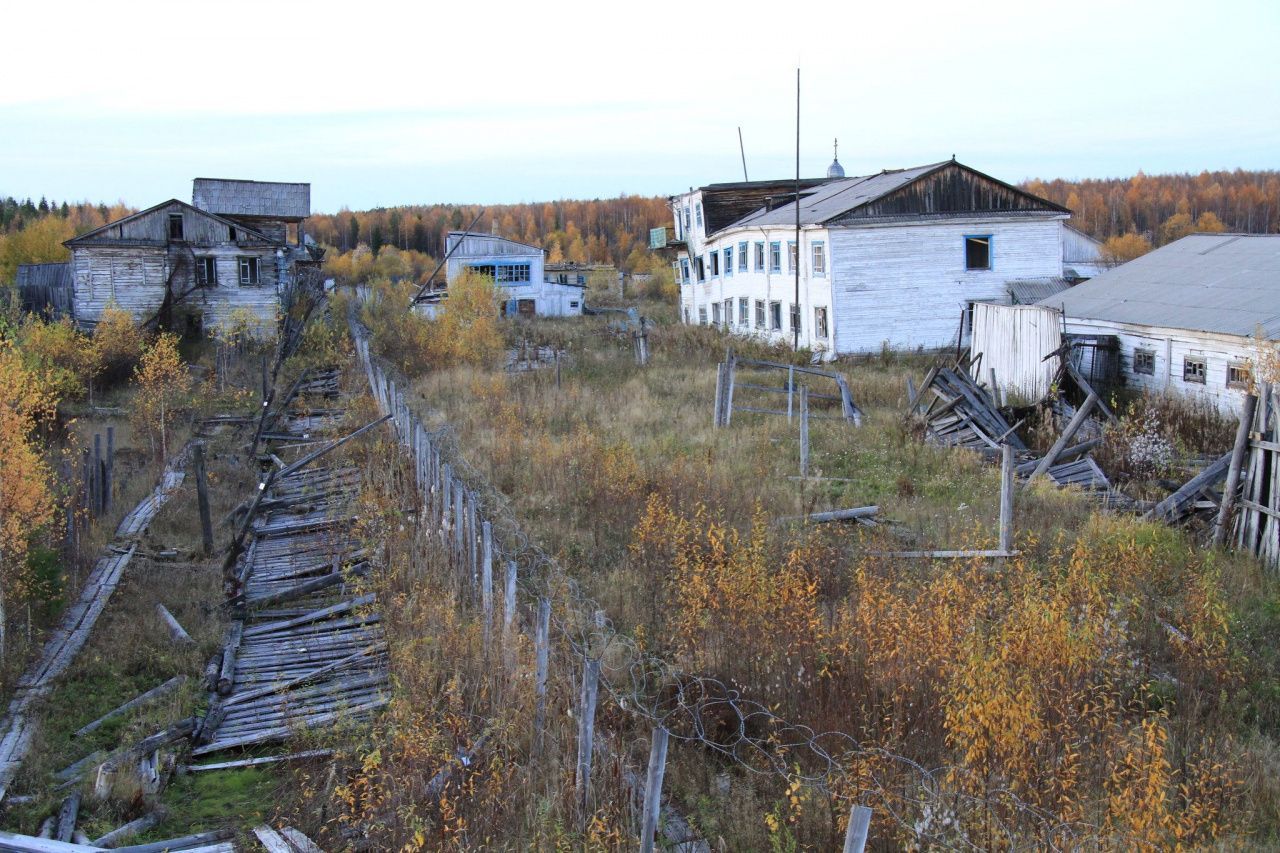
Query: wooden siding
<point x="954" y="188"/>
<point x="1171" y="347"/>
<point x="1013" y="340"/>
<point x="906" y="285"/>
<point x="152" y="227"/>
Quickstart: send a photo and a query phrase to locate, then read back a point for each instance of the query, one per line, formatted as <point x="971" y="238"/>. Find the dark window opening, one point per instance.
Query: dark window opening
<point x="977" y="253"/>
<point x="231" y="232"/>
<point x="820" y="322"/>
<point x="1144" y="362"/>
<point x="759" y="313"/>
<point x="1239" y="375"/>
<point x="248" y="271"/>
<point x="1194" y="370"/>
<point x="485" y="269"/>
<point x="775" y="316"/>
<point x="702" y="269"/>
<point x="525" y="307"/>
<point x="206" y="271"/>
<point x="175" y="226"/>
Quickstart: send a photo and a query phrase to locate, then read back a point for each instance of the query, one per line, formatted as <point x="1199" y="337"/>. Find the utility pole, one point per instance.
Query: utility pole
<point x="795" y="315"/>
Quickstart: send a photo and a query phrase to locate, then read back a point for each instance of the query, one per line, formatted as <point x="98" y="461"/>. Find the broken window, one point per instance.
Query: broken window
<point x="775" y="316"/>
<point x="1144" y="361"/>
<point x="512" y="274"/>
<point x="702" y="269"/>
<point x="175" y="226"/>
<point x="759" y="313"/>
<point x="484" y="269"/>
<point x="684" y="270"/>
<point x="820" y="322"/>
<point x="1239" y="375"/>
<point x="715" y="313"/>
<point x="744" y="311"/>
<point x="231" y="233"/>
<point x="1194" y="370"/>
<point x="795" y="318"/>
<point x="977" y="252"/>
<point x="248" y="271"/>
<point x="206" y="271"/>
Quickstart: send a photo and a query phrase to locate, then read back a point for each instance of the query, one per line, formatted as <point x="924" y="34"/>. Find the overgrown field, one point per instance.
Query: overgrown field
<point x="1113" y="682"/>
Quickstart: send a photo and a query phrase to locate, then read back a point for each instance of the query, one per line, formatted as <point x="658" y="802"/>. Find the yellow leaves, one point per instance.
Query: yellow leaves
<point x="26" y="503"/>
<point x="163" y="382"/>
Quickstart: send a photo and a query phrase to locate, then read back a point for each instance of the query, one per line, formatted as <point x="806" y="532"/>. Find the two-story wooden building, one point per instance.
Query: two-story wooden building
<point x="895" y="259"/>
<point x="192" y="267"/>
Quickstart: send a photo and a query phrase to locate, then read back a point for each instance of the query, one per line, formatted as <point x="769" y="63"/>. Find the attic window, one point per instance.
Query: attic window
<point x="175" y="226"/>
<point x="231" y="233"/>
<point x="977" y="252"/>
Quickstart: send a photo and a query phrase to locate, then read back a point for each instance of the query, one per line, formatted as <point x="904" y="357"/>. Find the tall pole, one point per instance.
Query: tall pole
<point x="795" y="316"/>
<point x="743" y="151"/>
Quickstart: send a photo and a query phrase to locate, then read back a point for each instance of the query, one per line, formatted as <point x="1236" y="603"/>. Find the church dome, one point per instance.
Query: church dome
<point x="835" y="170"/>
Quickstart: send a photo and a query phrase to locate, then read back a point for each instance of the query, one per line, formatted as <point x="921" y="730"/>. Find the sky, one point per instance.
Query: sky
<point x="378" y="104"/>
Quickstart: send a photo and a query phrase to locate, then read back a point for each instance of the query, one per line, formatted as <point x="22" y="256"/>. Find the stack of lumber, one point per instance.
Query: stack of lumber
<point x="960" y="413"/>
<point x="72" y="633"/>
<point x="206" y="842"/>
<point x="1196" y="494"/>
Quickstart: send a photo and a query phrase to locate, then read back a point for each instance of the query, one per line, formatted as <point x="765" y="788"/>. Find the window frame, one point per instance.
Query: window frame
<point x="701" y="265"/>
<point x="775" y="256"/>
<point x="1144" y="361"/>
<point x="715" y="263"/>
<point x="775" y="315"/>
<point x="821" y="329"/>
<point x="715" y="313"/>
<point x="760" y="314"/>
<point x="793" y="257"/>
<point x="728" y="312"/>
<point x="249" y="264"/>
<point x="728" y="261"/>
<point x="207" y="270"/>
<point x="759" y="256"/>
<point x="818" y="258"/>
<point x="742" y="257"/>
<point x="1243" y="367"/>
<point x="744" y="311"/>
<point x="796" y="319"/>
<point x="684" y="270"/>
<point x="176" y="219"/>
<point x="1195" y="370"/>
<point x="697" y="208"/>
<point x="702" y="315"/>
<point x="991" y="252"/>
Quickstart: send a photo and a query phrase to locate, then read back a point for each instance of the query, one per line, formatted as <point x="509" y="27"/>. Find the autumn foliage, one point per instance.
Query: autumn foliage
<point x="163" y="382"/>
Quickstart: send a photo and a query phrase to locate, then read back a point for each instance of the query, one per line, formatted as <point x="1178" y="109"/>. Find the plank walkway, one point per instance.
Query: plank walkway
<point x="19" y="724"/>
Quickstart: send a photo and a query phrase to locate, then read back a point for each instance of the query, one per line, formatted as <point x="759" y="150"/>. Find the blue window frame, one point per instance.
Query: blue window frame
<point x="742" y="257"/>
<point x="702" y="268"/>
<point x="791" y="256"/>
<point x="760" y="261"/>
<point x="715" y="264"/>
<point x="979" y="252"/>
<point x="698" y="210"/>
<point x="728" y="261"/>
<point x="775" y="257"/>
<point x="819" y="259"/>
<point x="684" y="270"/>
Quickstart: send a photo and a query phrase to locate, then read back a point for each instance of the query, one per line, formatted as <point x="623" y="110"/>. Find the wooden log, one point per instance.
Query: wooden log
<point x="942" y="555"/>
<point x="1072" y="451"/>
<point x="331" y="446"/>
<point x="186" y="842"/>
<point x="271" y="840"/>
<point x="852" y="514"/>
<point x="300" y="842"/>
<point x="653" y="789"/>
<point x="202" y="499"/>
<point x="47" y="827"/>
<point x="1073" y="426"/>
<point x="509" y="605"/>
<point x="1006" y="497"/>
<point x="1231" y="491"/>
<point x="67" y="817"/>
<point x="154" y="693"/>
<point x="176" y="632"/>
<point x="12" y="841"/>
<point x="258" y="762"/>
<point x="855" y="836"/>
<point x="134" y="827"/>
<point x="227" y="676"/>
<point x="542" y="647"/>
<point x="586" y="733"/>
<point x="1172" y="508"/>
<point x="716" y="406"/>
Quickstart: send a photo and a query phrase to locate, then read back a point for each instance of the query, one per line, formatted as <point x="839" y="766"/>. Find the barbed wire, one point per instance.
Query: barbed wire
<point x="707" y="712"/>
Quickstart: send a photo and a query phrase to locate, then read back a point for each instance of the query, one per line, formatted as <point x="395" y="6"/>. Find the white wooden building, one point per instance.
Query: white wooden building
<point x="518" y="271"/>
<point x="190" y="268"/>
<point x="1194" y="317"/>
<point x="895" y="259"/>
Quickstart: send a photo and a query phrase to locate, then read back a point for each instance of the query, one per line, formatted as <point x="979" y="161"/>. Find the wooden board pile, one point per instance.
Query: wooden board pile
<point x="961" y="413"/>
<point x="205" y="842"/>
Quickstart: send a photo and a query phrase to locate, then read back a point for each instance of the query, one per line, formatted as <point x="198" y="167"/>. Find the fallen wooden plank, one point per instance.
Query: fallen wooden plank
<point x="12" y="841"/>
<point x="300" y="842"/>
<point x="134" y="827"/>
<point x="176" y="632"/>
<point x="271" y="840"/>
<point x="198" y="841"/>
<point x="943" y="555"/>
<point x="257" y="762"/>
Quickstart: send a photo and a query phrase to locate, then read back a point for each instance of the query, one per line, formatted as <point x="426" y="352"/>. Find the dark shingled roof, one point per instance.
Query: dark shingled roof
<point x="252" y="198"/>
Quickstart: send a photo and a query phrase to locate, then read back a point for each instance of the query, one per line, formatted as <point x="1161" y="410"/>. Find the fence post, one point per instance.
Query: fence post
<point x="486" y="580"/>
<point x="804" y="430"/>
<point x="1233" y="470"/>
<point x="1006" y="497"/>
<point x="586" y="731"/>
<point x="446" y="499"/>
<point x="715" y="414"/>
<point x="473" y="541"/>
<point x="457" y="524"/>
<point x="855" y="837"/>
<point x="791" y="385"/>
<point x="731" y="368"/>
<point x="202" y="499"/>
<point x="111" y="464"/>
<point x="509" y="614"/>
<point x="653" y="789"/>
<point x="542" y="646"/>
<point x="96" y="493"/>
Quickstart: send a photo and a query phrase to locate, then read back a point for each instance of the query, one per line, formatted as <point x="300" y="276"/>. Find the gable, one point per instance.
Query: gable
<point x="487" y="246"/>
<point x="950" y="189"/>
<point x="150" y="227"/>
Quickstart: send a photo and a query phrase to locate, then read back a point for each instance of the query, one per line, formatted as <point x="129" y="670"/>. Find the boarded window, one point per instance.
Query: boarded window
<point x="206" y="271"/>
<point x="977" y="253"/>
<point x="175" y="226"/>
<point x="1239" y="375"/>
<point x="526" y="307"/>
<point x="759" y="313"/>
<point x="1144" y="361"/>
<point x="1194" y="370"/>
<point x="820" y="322"/>
<point x="744" y="311"/>
<point x="248" y="271"/>
<point x="775" y="316"/>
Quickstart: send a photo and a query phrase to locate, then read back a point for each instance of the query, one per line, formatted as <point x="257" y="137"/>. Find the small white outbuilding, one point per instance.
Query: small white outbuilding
<point x="517" y="269"/>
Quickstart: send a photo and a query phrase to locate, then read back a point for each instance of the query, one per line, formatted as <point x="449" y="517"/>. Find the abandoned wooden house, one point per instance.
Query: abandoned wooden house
<point x="1199" y="316"/>
<point x="518" y="271"/>
<point x="223" y="260"/>
<point x="895" y="259"/>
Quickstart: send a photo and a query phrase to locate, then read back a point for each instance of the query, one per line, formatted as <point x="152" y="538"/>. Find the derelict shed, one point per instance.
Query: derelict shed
<point x="1191" y="317"/>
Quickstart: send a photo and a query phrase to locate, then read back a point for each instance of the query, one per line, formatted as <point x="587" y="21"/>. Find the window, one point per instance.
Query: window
<point x="715" y="264"/>
<point x="702" y="269"/>
<point x="175" y="226"/>
<point x="1144" y="361"/>
<point x="791" y="257"/>
<point x="206" y="271"/>
<point x="1239" y="375"/>
<point x="795" y="318"/>
<point x="728" y="261"/>
<point x="820" y="323"/>
<point x="1193" y="370"/>
<point x="819" y="260"/>
<point x="231" y="233"/>
<point x="248" y="270"/>
<point x="728" y="312"/>
<point x="759" y="257"/>
<point x="775" y="316"/>
<point x="744" y="312"/>
<point x="686" y="315"/>
<point x="775" y="257"/>
<point x="742" y="257"/>
<point x="702" y="315"/>
<point x="759" y="313"/>
<point x="573" y="303"/>
<point x="512" y="274"/>
<point x="715" y="313"/>
<point x="684" y="270"/>
<point x="484" y="269"/>
<point x="686" y="218"/>
<point x="977" y="252"/>
<point x="698" y="210"/>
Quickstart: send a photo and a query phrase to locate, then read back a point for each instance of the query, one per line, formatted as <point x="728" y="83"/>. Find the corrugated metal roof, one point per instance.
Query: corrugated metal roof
<point x="44" y="275"/>
<point x="1028" y="291"/>
<point x="1225" y="283"/>
<point x="834" y="198"/>
<point x="252" y="198"/>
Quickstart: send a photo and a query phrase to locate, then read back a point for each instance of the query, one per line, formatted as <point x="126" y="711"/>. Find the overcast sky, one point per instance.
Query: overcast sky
<point x="380" y="104"/>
